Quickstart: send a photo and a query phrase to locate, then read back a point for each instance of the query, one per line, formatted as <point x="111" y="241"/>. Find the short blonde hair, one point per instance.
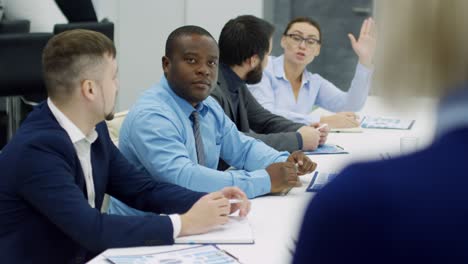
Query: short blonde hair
<point x="69" y="55"/>
<point x="424" y="46"/>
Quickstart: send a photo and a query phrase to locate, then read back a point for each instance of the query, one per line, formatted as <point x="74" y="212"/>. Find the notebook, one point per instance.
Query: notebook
<point x="327" y="149"/>
<point x="386" y="123"/>
<point x="192" y="255"/>
<point x="319" y="180"/>
<point x="236" y="231"/>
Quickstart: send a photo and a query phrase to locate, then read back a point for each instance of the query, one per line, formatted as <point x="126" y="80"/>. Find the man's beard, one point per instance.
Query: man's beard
<point x="255" y="75"/>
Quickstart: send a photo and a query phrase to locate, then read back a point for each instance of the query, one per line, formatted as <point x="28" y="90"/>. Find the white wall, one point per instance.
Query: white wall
<point x="213" y="14"/>
<point x="141" y="32"/>
<point x="43" y="14"/>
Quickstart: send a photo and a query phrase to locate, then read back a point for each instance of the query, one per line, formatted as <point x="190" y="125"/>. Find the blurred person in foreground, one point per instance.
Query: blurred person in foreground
<point x="413" y="208"/>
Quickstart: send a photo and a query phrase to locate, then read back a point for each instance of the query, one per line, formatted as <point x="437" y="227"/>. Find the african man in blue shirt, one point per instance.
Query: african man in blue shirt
<point x="177" y="133"/>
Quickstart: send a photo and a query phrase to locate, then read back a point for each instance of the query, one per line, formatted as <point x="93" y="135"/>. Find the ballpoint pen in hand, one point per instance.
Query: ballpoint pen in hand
<point x="321" y="126"/>
<point x="234" y="201"/>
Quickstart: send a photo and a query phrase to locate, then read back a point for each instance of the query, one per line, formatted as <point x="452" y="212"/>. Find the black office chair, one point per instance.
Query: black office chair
<point x="21" y="71"/>
<point x="14" y="26"/>
<point x="1" y="10"/>
<point x="9" y="27"/>
<point x="104" y="27"/>
<point x="21" y="68"/>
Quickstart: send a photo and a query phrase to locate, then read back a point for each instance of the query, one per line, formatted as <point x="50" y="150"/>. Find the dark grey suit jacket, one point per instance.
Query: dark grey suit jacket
<point x="256" y="121"/>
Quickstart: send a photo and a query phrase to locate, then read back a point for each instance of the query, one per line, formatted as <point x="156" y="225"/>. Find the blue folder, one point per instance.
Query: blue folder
<point x="319" y="180"/>
<point x="327" y="149"/>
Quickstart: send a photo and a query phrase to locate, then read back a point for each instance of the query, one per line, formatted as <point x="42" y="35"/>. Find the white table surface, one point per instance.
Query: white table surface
<point x="276" y="220"/>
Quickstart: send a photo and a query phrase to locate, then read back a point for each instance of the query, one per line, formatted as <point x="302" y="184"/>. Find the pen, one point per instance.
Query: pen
<point x="285" y="191"/>
<point x="234" y="201"/>
<point x="229" y="254"/>
<point x="322" y="126"/>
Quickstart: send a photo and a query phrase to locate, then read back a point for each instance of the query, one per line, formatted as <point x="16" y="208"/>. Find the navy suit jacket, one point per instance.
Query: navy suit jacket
<point x="44" y="213"/>
<point x="412" y="209"/>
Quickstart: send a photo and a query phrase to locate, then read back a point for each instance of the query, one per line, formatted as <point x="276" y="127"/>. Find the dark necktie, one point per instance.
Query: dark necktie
<point x="198" y="139"/>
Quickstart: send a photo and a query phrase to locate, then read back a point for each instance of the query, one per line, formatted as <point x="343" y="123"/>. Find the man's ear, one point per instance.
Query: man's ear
<point x="88" y="89"/>
<point x="166" y="63"/>
<point x="254" y="61"/>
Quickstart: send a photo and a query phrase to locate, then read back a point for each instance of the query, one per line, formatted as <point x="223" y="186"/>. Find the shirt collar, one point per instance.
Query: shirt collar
<point x="278" y="70"/>
<point x="72" y="130"/>
<point x="186" y="107"/>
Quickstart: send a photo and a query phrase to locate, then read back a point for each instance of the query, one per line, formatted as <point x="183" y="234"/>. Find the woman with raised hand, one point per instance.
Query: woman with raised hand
<point x="289" y="89"/>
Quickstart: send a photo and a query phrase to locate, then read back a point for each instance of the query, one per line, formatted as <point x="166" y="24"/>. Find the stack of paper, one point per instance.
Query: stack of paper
<point x="386" y="123"/>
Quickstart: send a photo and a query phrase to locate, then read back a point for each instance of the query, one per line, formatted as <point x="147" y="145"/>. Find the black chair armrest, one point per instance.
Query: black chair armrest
<point x="14" y="26"/>
<point x="105" y="27"/>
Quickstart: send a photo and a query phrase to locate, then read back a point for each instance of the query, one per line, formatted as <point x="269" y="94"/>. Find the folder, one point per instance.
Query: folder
<point x="319" y="180"/>
<point x="207" y="254"/>
<point x="327" y="149"/>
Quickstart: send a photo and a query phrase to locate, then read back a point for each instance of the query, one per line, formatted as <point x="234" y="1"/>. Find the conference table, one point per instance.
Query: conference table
<point x="276" y="220"/>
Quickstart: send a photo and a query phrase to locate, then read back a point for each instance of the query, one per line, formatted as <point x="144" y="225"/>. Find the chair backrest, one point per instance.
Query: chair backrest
<point x="1" y="10"/>
<point x="21" y="63"/>
<point x="114" y="126"/>
<point x="14" y="26"/>
<point x="106" y="28"/>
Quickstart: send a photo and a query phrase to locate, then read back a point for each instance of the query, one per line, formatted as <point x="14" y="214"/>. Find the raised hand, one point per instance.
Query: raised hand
<point x="364" y="47"/>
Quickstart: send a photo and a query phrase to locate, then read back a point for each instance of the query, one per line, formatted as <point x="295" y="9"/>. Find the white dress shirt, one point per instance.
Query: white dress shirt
<point x="82" y="146"/>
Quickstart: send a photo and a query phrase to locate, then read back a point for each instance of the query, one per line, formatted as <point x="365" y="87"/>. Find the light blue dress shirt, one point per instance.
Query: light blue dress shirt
<point x="157" y="136"/>
<point x="275" y="93"/>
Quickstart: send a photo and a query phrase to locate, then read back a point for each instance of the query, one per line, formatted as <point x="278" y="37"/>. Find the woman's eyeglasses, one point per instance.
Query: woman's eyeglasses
<point x="298" y="39"/>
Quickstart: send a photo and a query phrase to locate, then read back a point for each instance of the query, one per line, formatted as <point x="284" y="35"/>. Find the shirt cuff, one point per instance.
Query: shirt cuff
<point x="364" y="69"/>
<point x="299" y="140"/>
<point x="176" y="224"/>
<point x="260" y="184"/>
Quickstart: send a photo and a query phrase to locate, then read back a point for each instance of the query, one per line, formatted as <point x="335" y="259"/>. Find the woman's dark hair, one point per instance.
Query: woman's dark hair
<point x="304" y="20"/>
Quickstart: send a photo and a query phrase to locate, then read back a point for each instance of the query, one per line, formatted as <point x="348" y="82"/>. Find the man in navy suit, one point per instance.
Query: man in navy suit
<point x="412" y="208"/>
<point x="56" y="169"/>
